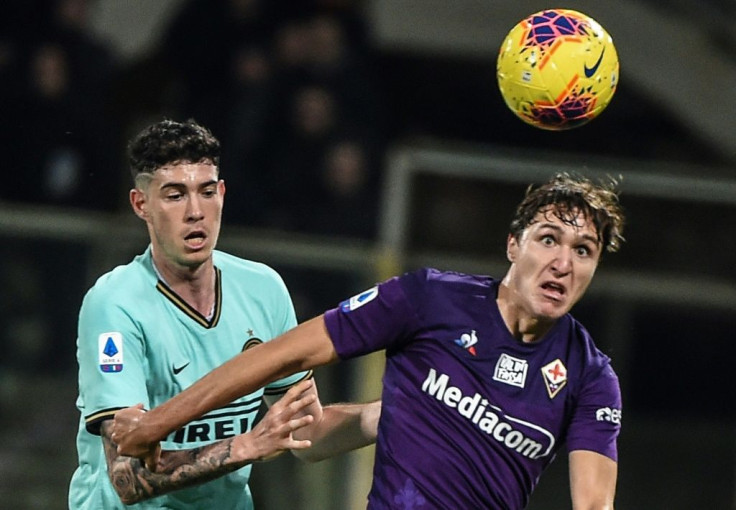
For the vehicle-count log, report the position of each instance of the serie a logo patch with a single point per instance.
(111, 352)
(359, 300)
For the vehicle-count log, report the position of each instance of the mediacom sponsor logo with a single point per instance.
(511, 432)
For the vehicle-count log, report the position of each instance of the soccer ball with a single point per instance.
(557, 69)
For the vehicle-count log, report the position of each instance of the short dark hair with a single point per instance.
(566, 195)
(170, 142)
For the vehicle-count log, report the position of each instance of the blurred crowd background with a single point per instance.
(310, 98)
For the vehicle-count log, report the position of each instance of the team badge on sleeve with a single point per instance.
(555, 377)
(359, 300)
(111, 351)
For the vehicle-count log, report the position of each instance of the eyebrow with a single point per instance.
(559, 229)
(179, 185)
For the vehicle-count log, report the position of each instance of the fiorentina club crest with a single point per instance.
(555, 377)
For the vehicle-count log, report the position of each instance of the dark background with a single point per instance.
(71, 96)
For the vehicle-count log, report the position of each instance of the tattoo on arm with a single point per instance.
(176, 469)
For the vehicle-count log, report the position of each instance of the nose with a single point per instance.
(194, 208)
(562, 264)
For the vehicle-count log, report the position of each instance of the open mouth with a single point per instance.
(195, 238)
(553, 289)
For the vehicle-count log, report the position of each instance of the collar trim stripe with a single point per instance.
(185, 307)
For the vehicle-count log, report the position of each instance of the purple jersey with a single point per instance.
(471, 416)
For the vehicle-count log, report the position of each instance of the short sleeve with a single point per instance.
(111, 360)
(596, 421)
(381, 317)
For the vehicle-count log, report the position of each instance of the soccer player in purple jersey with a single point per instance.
(485, 379)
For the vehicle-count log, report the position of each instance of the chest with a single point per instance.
(181, 347)
(474, 377)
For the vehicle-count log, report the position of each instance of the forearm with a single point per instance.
(241, 375)
(214, 390)
(342, 427)
(592, 480)
(176, 469)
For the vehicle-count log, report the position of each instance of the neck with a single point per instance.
(521, 324)
(195, 285)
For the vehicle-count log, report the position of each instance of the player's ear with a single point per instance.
(512, 248)
(139, 203)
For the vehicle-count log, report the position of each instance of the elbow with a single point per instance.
(128, 497)
(602, 503)
(601, 506)
(128, 501)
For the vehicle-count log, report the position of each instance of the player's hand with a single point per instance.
(274, 433)
(124, 430)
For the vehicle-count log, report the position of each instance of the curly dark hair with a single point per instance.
(169, 142)
(565, 196)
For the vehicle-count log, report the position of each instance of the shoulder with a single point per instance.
(435, 279)
(124, 282)
(593, 361)
(247, 272)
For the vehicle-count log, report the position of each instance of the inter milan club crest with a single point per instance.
(252, 340)
(555, 377)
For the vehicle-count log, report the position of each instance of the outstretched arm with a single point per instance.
(302, 348)
(336, 428)
(174, 470)
(592, 480)
(344, 427)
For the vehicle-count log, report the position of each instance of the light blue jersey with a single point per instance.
(140, 342)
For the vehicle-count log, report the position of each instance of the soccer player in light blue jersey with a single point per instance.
(486, 379)
(151, 328)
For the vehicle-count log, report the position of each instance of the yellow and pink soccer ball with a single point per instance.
(557, 69)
